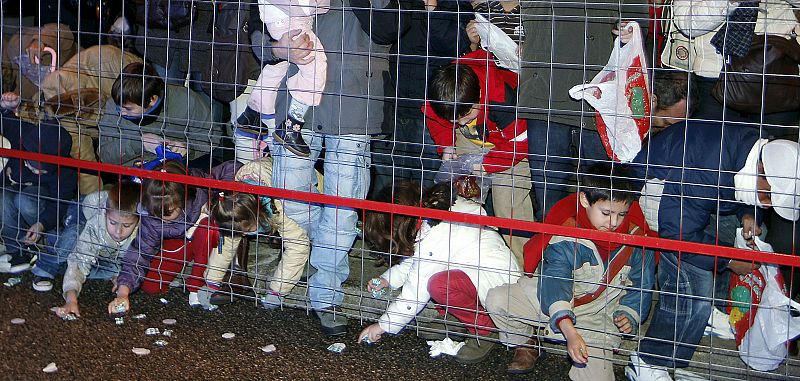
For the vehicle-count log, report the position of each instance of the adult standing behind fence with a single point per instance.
(702, 179)
(567, 44)
(356, 35)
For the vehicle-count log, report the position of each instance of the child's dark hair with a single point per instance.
(395, 234)
(603, 182)
(160, 198)
(453, 90)
(123, 197)
(137, 84)
(239, 212)
(673, 86)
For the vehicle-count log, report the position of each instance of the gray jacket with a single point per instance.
(358, 67)
(185, 117)
(93, 243)
(570, 44)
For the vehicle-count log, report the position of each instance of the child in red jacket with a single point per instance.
(472, 109)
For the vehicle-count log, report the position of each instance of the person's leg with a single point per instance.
(514, 309)
(414, 152)
(28, 205)
(51, 261)
(454, 290)
(165, 266)
(550, 160)
(307, 84)
(680, 315)
(296, 249)
(347, 164)
(599, 367)
(204, 240)
(296, 173)
(9, 228)
(511, 196)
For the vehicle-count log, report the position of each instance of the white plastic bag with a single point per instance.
(494, 40)
(764, 345)
(621, 95)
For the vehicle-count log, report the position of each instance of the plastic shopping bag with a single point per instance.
(745, 291)
(494, 40)
(764, 345)
(620, 94)
(461, 172)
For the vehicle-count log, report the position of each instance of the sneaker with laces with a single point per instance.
(289, 134)
(638, 370)
(42, 284)
(271, 300)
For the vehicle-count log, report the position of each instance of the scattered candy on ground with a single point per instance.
(161, 343)
(50, 368)
(119, 320)
(228, 335)
(119, 308)
(139, 316)
(337, 347)
(152, 331)
(11, 282)
(167, 333)
(163, 301)
(269, 348)
(17, 321)
(141, 351)
(169, 321)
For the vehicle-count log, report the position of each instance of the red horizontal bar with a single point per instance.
(514, 225)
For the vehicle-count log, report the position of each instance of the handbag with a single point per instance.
(678, 51)
(766, 79)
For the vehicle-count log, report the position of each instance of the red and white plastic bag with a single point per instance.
(620, 94)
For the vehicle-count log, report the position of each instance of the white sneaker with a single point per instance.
(5, 258)
(638, 370)
(719, 325)
(194, 300)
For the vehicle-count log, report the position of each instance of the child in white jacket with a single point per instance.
(454, 264)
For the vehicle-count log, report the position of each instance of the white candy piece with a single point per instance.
(169, 321)
(141, 351)
(269, 348)
(163, 301)
(50, 368)
(17, 321)
(228, 335)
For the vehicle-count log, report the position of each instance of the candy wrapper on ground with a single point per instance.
(337, 347)
(446, 346)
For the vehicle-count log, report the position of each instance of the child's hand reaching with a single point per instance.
(576, 347)
(373, 333)
(120, 304)
(383, 284)
(623, 324)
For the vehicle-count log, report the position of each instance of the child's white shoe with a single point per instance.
(638, 370)
(194, 300)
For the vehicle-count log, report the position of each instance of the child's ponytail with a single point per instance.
(238, 212)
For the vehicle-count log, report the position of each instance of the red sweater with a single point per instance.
(498, 113)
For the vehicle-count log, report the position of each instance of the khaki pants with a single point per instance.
(516, 312)
(511, 194)
(83, 149)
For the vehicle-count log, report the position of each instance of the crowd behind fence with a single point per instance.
(540, 173)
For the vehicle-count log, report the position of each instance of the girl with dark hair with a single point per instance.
(454, 264)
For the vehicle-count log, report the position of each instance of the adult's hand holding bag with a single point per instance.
(620, 94)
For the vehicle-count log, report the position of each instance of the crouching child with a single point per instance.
(111, 223)
(585, 292)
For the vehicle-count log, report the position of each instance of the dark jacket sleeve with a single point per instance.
(380, 19)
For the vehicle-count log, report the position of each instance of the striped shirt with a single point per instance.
(509, 22)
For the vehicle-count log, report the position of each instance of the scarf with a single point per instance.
(569, 208)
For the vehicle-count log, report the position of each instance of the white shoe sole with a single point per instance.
(40, 288)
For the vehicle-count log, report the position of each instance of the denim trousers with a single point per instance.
(555, 152)
(681, 313)
(60, 244)
(22, 206)
(332, 229)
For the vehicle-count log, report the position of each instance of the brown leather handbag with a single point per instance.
(766, 79)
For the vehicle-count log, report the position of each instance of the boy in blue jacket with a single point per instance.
(35, 195)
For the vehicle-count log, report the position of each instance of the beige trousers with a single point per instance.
(511, 194)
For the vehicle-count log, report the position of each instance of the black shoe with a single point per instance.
(289, 134)
(250, 119)
(19, 262)
(332, 321)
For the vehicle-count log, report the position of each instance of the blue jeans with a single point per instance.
(332, 229)
(555, 151)
(21, 209)
(681, 313)
(408, 154)
(60, 244)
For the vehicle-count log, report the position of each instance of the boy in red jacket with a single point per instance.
(472, 109)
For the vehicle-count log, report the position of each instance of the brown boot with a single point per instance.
(525, 357)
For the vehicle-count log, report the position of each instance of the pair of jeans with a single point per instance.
(332, 229)
(22, 206)
(681, 313)
(408, 154)
(555, 151)
(60, 243)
